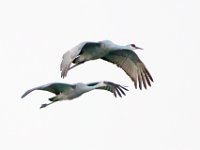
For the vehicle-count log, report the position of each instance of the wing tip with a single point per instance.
(116, 89)
(25, 94)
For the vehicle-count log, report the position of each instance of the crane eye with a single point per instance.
(133, 45)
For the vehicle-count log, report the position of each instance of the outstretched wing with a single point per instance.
(116, 89)
(132, 65)
(73, 54)
(55, 88)
(68, 57)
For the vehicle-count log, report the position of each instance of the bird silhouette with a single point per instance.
(123, 56)
(65, 91)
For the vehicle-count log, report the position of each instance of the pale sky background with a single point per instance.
(35, 34)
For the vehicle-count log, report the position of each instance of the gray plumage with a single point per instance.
(70, 91)
(123, 56)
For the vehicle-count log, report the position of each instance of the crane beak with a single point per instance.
(139, 48)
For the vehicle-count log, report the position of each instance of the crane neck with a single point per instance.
(109, 45)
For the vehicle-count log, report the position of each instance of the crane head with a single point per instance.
(135, 47)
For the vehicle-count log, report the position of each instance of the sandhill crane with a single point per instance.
(70, 91)
(123, 56)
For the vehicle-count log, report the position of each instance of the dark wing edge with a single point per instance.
(89, 45)
(27, 92)
(55, 88)
(132, 65)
